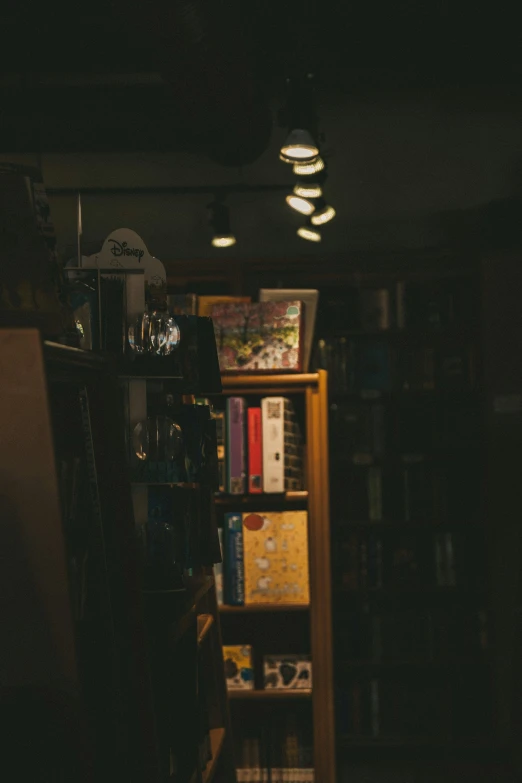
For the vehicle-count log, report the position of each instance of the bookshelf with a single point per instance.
(271, 627)
(119, 677)
(409, 556)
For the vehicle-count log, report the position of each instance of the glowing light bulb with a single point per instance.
(306, 169)
(223, 240)
(300, 204)
(314, 190)
(299, 147)
(323, 215)
(308, 233)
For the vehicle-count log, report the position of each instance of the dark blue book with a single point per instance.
(234, 569)
(373, 366)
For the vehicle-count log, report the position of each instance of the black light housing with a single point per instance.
(220, 220)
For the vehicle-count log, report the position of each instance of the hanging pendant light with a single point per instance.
(309, 233)
(299, 147)
(220, 219)
(300, 204)
(309, 168)
(323, 213)
(308, 190)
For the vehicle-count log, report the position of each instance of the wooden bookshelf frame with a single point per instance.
(314, 388)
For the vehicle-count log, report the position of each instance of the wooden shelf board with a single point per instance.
(271, 694)
(205, 623)
(275, 381)
(217, 738)
(456, 592)
(269, 497)
(348, 664)
(420, 526)
(355, 741)
(179, 484)
(253, 608)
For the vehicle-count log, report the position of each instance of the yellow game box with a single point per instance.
(239, 670)
(275, 548)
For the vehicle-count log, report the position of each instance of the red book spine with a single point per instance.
(255, 452)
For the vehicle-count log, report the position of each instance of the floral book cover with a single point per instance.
(261, 337)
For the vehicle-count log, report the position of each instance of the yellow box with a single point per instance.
(276, 557)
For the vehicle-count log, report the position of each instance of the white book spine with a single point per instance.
(273, 420)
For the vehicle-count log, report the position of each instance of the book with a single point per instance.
(310, 298)
(239, 669)
(374, 309)
(282, 446)
(261, 337)
(234, 572)
(206, 303)
(255, 451)
(287, 671)
(218, 572)
(372, 365)
(235, 445)
(276, 557)
(220, 418)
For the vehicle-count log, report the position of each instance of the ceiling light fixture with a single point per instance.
(220, 219)
(309, 233)
(299, 147)
(302, 205)
(323, 213)
(305, 190)
(307, 169)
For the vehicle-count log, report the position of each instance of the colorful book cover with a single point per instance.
(239, 670)
(255, 451)
(234, 572)
(276, 557)
(235, 445)
(261, 337)
(206, 303)
(310, 299)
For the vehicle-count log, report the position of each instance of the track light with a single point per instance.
(323, 213)
(223, 240)
(220, 219)
(309, 233)
(309, 168)
(299, 147)
(302, 205)
(305, 190)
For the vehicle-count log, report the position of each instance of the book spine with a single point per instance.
(218, 572)
(374, 690)
(236, 467)
(234, 566)
(439, 563)
(374, 494)
(219, 418)
(255, 452)
(273, 435)
(450, 560)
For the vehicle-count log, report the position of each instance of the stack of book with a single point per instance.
(408, 637)
(265, 558)
(280, 751)
(260, 449)
(368, 561)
